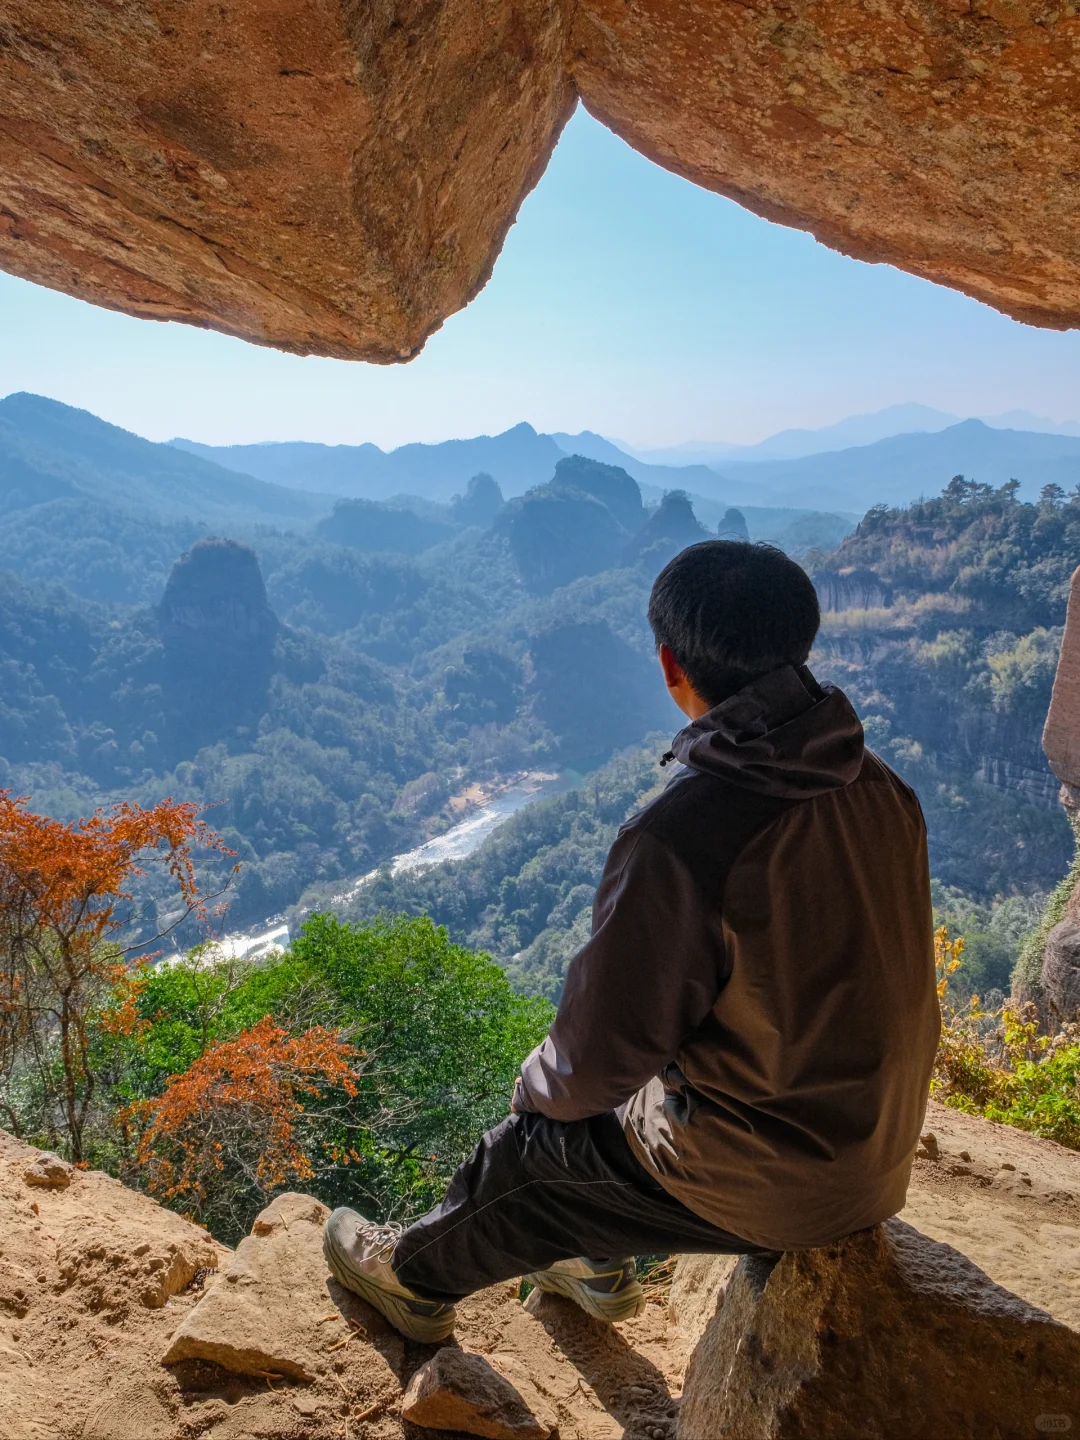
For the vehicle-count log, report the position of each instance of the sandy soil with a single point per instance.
(94, 1279)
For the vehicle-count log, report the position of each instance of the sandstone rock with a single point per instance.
(80, 1352)
(48, 1171)
(930, 137)
(338, 178)
(459, 1391)
(697, 1289)
(1061, 733)
(886, 1334)
(324, 177)
(275, 1311)
(113, 1268)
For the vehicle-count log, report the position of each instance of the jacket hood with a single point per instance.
(783, 735)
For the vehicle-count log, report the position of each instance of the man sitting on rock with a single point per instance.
(741, 1057)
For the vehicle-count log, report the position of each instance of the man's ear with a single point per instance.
(674, 674)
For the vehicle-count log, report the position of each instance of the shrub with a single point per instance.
(237, 1125)
(995, 1063)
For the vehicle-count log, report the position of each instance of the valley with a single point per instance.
(329, 649)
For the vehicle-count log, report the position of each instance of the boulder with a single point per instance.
(275, 1311)
(697, 1290)
(459, 1391)
(48, 1171)
(939, 137)
(339, 178)
(884, 1336)
(324, 177)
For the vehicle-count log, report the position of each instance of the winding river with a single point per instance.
(454, 844)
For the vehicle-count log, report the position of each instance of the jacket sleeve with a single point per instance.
(648, 976)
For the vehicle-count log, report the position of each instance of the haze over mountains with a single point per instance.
(891, 457)
(854, 430)
(53, 451)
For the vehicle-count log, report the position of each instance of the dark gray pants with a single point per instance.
(537, 1190)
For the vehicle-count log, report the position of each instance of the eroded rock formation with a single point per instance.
(327, 177)
(1054, 981)
(939, 136)
(1061, 734)
(884, 1334)
(337, 178)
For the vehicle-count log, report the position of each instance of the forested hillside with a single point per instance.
(944, 622)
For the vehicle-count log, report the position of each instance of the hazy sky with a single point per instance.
(626, 301)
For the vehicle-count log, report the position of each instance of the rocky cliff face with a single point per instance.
(338, 178)
(853, 588)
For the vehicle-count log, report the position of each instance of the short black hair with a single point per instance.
(730, 611)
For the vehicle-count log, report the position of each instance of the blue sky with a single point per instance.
(625, 301)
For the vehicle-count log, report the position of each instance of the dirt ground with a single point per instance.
(94, 1280)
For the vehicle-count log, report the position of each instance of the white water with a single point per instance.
(461, 840)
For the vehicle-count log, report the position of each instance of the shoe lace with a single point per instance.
(382, 1238)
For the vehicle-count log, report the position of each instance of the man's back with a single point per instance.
(763, 934)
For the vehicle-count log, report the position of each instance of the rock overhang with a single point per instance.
(336, 178)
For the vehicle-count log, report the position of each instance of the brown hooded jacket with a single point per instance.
(759, 990)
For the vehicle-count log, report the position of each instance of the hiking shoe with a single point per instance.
(360, 1256)
(607, 1289)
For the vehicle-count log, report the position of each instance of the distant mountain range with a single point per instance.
(900, 469)
(855, 430)
(50, 451)
(519, 458)
(850, 466)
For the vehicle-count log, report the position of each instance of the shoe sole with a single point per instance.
(623, 1305)
(428, 1331)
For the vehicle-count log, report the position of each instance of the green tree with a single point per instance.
(436, 1029)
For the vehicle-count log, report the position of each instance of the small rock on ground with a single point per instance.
(459, 1391)
(48, 1171)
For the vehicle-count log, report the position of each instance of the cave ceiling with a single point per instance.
(334, 177)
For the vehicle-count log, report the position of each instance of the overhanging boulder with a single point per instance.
(335, 177)
(329, 178)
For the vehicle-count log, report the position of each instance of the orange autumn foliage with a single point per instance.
(62, 887)
(70, 877)
(238, 1109)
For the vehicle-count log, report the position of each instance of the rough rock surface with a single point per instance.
(83, 1327)
(1009, 1201)
(887, 1333)
(91, 1277)
(322, 176)
(335, 177)
(270, 1313)
(937, 136)
(97, 1280)
(48, 1171)
(1061, 733)
(1061, 969)
(457, 1390)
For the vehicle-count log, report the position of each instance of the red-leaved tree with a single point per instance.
(237, 1122)
(65, 897)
